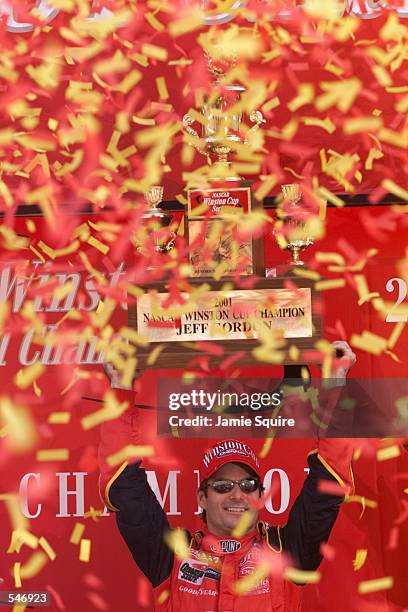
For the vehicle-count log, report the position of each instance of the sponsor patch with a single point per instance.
(226, 546)
(194, 572)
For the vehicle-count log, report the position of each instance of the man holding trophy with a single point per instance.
(236, 562)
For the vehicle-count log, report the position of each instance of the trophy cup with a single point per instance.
(221, 125)
(156, 220)
(297, 239)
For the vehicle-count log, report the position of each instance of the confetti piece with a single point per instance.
(34, 565)
(162, 88)
(341, 94)
(155, 52)
(103, 248)
(77, 533)
(20, 537)
(129, 452)
(366, 503)
(389, 452)
(177, 541)
(85, 550)
(335, 283)
(26, 376)
(244, 523)
(373, 586)
(326, 124)
(53, 454)
(18, 520)
(360, 559)
(17, 574)
(59, 418)
(361, 124)
(397, 190)
(112, 409)
(164, 595)
(19, 424)
(47, 548)
(365, 342)
(395, 334)
(301, 576)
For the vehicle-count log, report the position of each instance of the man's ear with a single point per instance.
(202, 499)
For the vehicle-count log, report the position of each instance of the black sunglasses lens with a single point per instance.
(249, 485)
(223, 486)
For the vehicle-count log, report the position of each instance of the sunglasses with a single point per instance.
(247, 485)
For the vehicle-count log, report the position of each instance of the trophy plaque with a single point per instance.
(282, 313)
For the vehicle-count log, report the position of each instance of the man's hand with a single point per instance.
(114, 377)
(344, 359)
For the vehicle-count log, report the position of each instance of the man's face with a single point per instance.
(224, 510)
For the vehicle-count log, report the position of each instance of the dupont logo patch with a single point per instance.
(226, 546)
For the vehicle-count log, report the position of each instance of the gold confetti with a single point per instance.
(338, 93)
(77, 532)
(103, 248)
(112, 409)
(164, 595)
(155, 52)
(18, 520)
(26, 376)
(19, 424)
(34, 565)
(301, 576)
(361, 124)
(47, 548)
(244, 522)
(154, 22)
(59, 418)
(335, 283)
(397, 190)
(360, 559)
(17, 574)
(176, 540)
(395, 334)
(53, 454)
(372, 586)
(271, 104)
(162, 88)
(389, 452)
(369, 342)
(19, 537)
(326, 124)
(85, 550)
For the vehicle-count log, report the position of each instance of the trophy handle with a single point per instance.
(170, 244)
(257, 118)
(187, 122)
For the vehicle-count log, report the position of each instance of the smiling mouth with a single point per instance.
(235, 510)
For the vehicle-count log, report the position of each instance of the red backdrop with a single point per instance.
(109, 581)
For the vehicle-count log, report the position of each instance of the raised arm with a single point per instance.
(315, 510)
(330, 478)
(124, 489)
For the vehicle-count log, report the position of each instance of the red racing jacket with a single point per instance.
(208, 578)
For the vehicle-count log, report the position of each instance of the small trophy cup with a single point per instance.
(297, 240)
(156, 220)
